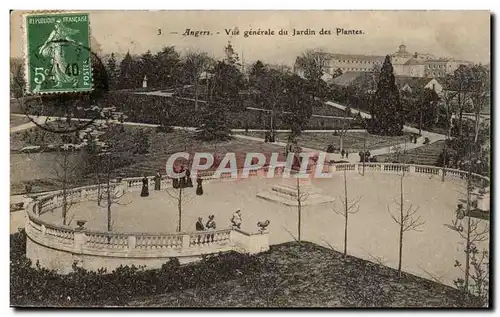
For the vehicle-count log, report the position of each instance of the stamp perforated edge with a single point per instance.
(25, 53)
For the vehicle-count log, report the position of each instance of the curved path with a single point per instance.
(373, 235)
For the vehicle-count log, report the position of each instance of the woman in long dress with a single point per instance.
(157, 180)
(145, 187)
(199, 186)
(54, 48)
(189, 181)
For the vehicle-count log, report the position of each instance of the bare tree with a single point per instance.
(65, 170)
(313, 63)
(346, 125)
(476, 231)
(348, 207)
(112, 193)
(408, 219)
(181, 197)
(302, 195)
(447, 98)
(195, 64)
(479, 94)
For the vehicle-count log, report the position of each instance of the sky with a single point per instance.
(463, 35)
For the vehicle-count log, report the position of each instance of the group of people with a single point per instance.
(145, 184)
(209, 225)
(181, 182)
(236, 221)
(344, 153)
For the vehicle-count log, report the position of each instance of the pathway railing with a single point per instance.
(151, 245)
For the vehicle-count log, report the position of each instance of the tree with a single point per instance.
(347, 209)
(128, 76)
(223, 97)
(408, 219)
(214, 126)
(17, 79)
(460, 83)
(302, 195)
(447, 97)
(181, 197)
(148, 68)
(476, 231)
(479, 94)
(111, 159)
(272, 88)
(346, 124)
(66, 170)
(167, 63)
(387, 112)
(257, 70)
(313, 64)
(194, 65)
(298, 104)
(112, 71)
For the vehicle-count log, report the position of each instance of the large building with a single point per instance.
(403, 62)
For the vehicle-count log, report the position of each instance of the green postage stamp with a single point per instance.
(57, 53)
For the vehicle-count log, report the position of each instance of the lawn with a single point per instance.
(425, 155)
(353, 141)
(18, 120)
(307, 275)
(38, 168)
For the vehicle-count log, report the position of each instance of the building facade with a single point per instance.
(403, 63)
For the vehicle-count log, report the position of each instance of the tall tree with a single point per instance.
(167, 67)
(407, 219)
(148, 68)
(112, 71)
(476, 232)
(195, 63)
(479, 94)
(298, 104)
(128, 77)
(387, 111)
(302, 196)
(66, 170)
(461, 84)
(313, 64)
(348, 207)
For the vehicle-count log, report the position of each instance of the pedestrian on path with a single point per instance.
(236, 220)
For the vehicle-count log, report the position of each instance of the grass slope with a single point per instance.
(308, 275)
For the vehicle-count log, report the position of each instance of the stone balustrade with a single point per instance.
(58, 247)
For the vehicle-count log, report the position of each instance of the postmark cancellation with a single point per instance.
(57, 52)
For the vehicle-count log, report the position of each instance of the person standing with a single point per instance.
(189, 181)
(199, 186)
(211, 222)
(211, 226)
(145, 187)
(199, 224)
(236, 220)
(157, 180)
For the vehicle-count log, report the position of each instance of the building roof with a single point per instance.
(414, 61)
(346, 78)
(412, 82)
(356, 57)
(441, 60)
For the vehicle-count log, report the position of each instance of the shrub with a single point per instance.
(42, 287)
